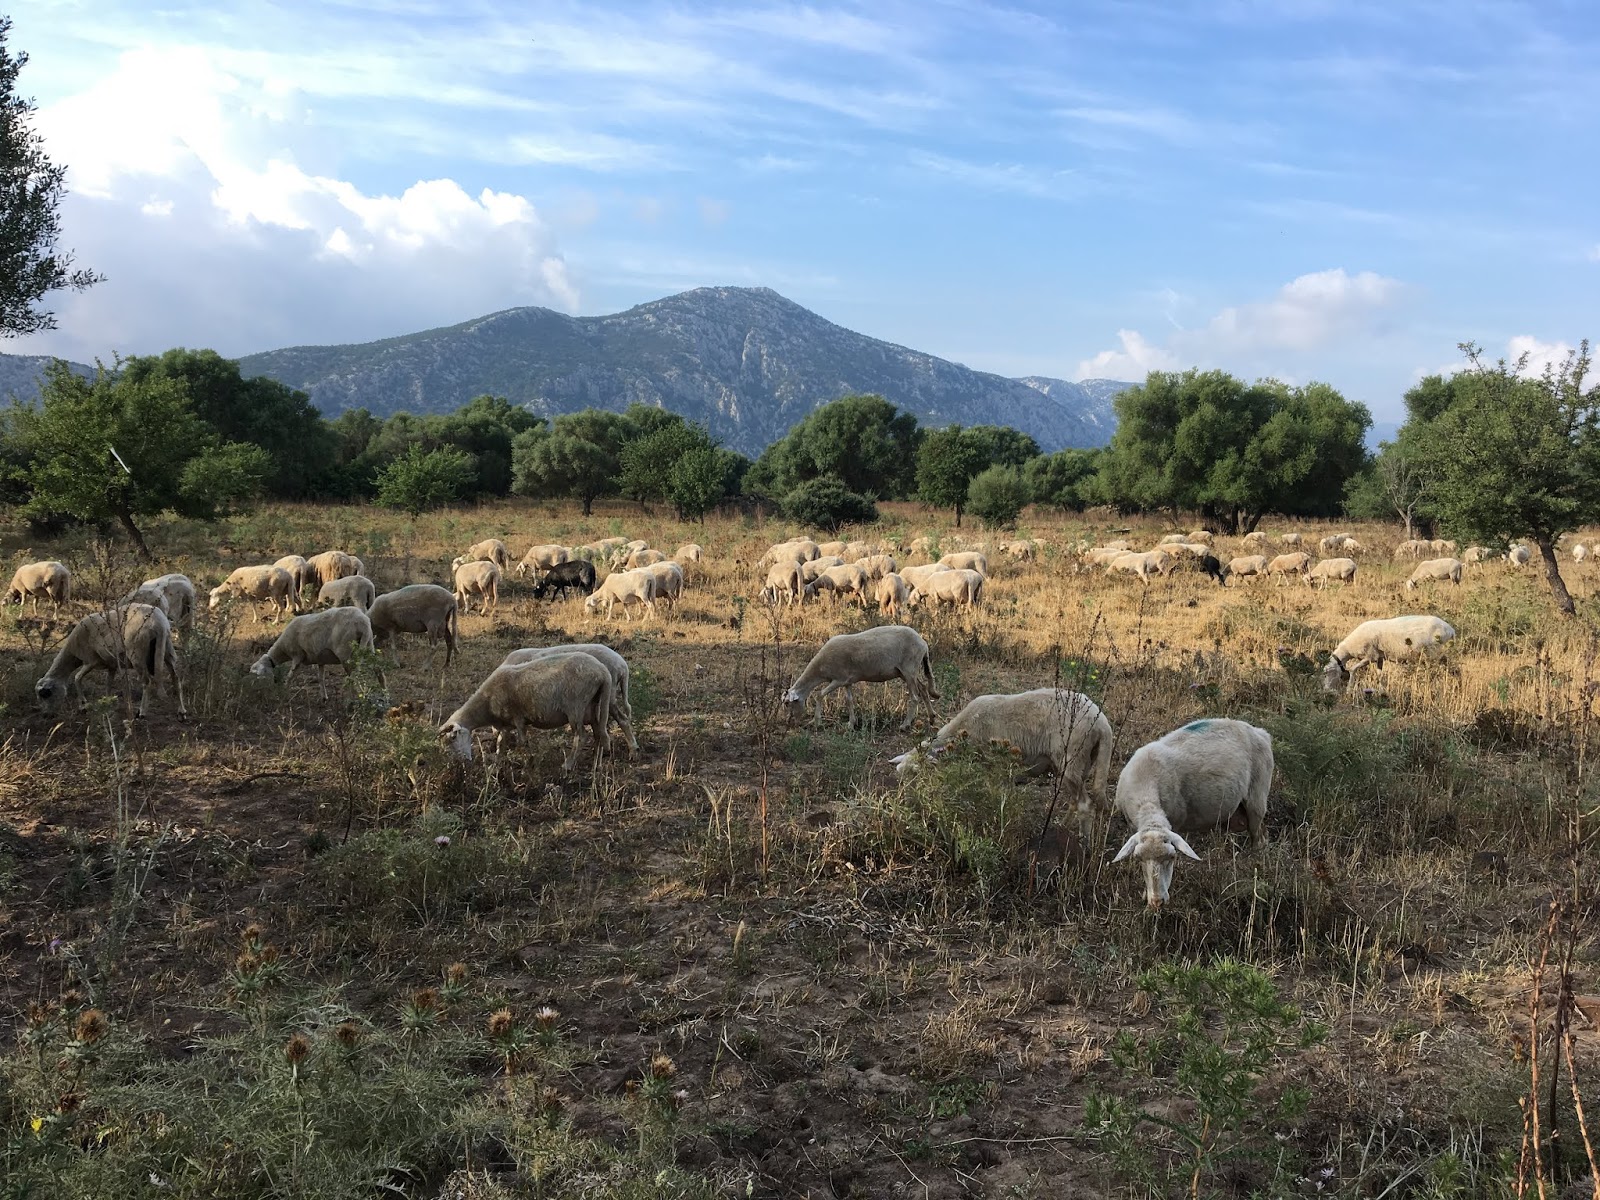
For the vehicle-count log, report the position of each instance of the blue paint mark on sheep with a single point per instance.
(1197, 726)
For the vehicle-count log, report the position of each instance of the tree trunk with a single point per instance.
(1552, 575)
(588, 506)
(958, 516)
(133, 533)
(1411, 532)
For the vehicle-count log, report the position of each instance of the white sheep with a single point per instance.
(356, 591)
(1476, 554)
(173, 594)
(967, 560)
(621, 706)
(810, 570)
(1290, 539)
(1297, 563)
(689, 552)
(625, 588)
(1196, 778)
(417, 608)
(877, 566)
(490, 550)
(1390, 639)
(1519, 556)
(299, 570)
(1443, 547)
(831, 550)
(669, 581)
(856, 551)
(272, 584)
(1172, 539)
(1580, 552)
(845, 579)
(1412, 548)
(1055, 731)
(136, 636)
(877, 655)
(480, 579)
(915, 575)
(959, 588)
(1329, 569)
(1332, 542)
(784, 582)
(1153, 562)
(542, 558)
(1202, 536)
(890, 594)
(1022, 550)
(1247, 565)
(1255, 537)
(51, 580)
(643, 558)
(1435, 570)
(571, 690)
(330, 565)
(320, 640)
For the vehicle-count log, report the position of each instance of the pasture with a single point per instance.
(292, 948)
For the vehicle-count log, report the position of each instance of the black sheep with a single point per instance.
(574, 574)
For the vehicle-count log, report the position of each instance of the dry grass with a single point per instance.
(864, 990)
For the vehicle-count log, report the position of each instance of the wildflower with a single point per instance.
(456, 974)
(348, 1034)
(442, 841)
(426, 1000)
(55, 945)
(92, 1026)
(252, 933)
(662, 1067)
(38, 1015)
(546, 1017)
(297, 1049)
(500, 1023)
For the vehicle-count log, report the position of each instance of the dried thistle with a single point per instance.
(546, 1017)
(252, 934)
(38, 1015)
(69, 1103)
(297, 1049)
(92, 1026)
(662, 1067)
(456, 974)
(71, 999)
(426, 1000)
(348, 1034)
(501, 1023)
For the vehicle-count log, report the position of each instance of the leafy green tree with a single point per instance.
(578, 457)
(1003, 446)
(826, 503)
(1512, 456)
(677, 462)
(698, 482)
(1064, 479)
(30, 202)
(1394, 484)
(421, 480)
(123, 449)
(946, 462)
(486, 428)
(997, 495)
(864, 441)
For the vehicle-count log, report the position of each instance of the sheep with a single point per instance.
(1247, 565)
(1351, 547)
(876, 655)
(1519, 556)
(490, 550)
(565, 689)
(1332, 542)
(321, 640)
(1153, 562)
(855, 551)
(669, 581)
(1435, 569)
(1255, 537)
(299, 570)
(1209, 564)
(477, 579)
(330, 565)
(915, 575)
(542, 558)
(959, 589)
(1020, 551)
(355, 591)
(921, 545)
(48, 579)
(1443, 547)
(1104, 556)
(173, 594)
(1411, 548)
(801, 549)
(784, 582)
(846, 579)
(643, 558)
(131, 635)
(625, 588)
(967, 560)
(621, 707)
(1400, 639)
(831, 550)
(1194, 549)
(417, 608)
(1329, 569)
(890, 593)
(877, 566)
(1297, 563)
(1290, 539)
(635, 545)
(564, 576)
(689, 552)
(272, 584)
(1476, 554)
(611, 543)
(810, 570)
(1055, 731)
(1172, 539)
(1199, 777)
(1580, 552)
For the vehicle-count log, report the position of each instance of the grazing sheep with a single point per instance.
(1476, 554)
(1329, 569)
(1334, 541)
(915, 575)
(800, 549)
(1104, 556)
(1152, 562)
(1209, 564)
(810, 570)
(922, 545)
(477, 579)
(1203, 536)
(563, 577)
(669, 581)
(1397, 639)
(877, 566)
(1297, 563)
(1580, 552)
(417, 608)
(330, 565)
(51, 580)
(877, 655)
(890, 593)
(1195, 778)
(643, 558)
(1412, 548)
(173, 594)
(299, 570)
(1443, 547)
(784, 582)
(272, 584)
(635, 544)
(1020, 551)
(1519, 556)
(320, 640)
(960, 588)
(1352, 547)
(831, 550)
(1193, 549)
(566, 689)
(856, 551)
(846, 580)
(1054, 730)
(1247, 565)
(1172, 539)
(136, 636)
(621, 706)
(625, 588)
(611, 543)
(490, 550)
(542, 558)
(353, 591)
(1255, 537)
(689, 552)
(1435, 570)
(1290, 539)
(967, 560)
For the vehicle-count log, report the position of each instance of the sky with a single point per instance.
(1334, 190)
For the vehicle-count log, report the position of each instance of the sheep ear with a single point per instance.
(1182, 847)
(1127, 848)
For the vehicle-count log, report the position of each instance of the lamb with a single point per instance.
(967, 560)
(272, 584)
(565, 576)
(915, 575)
(355, 591)
(321, 640)
(490, 550)
(1297, 563)
(890, 592)
(1435, 569)
(1400, 639)
(877, 566)
(173, 594)
(1329, 569)
(959, 589)
(876, 655)
(542, 558)
(625, 588)
(1247, 565)
(299, 570)
(669, 581)
(1199, 777)
(1519, 556)
(330, 565)
(1153, 562)
(418, 608)
(51, 580)
(644, 558)
(783, 582)
(846, 579)
(132, 635)
(565, 689)
(1054, 730)
(477, 579)
(621, 708)
(689, 552)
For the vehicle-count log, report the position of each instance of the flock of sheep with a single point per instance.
(1209, 774)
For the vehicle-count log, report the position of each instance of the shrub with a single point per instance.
(826, 503)
(997, 495)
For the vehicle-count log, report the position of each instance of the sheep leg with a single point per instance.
(577, 742)
(850, 701)
(911, 704)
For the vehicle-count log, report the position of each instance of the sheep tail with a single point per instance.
(153, 656)
(927, 674)
(1102, 769)
(455, 632)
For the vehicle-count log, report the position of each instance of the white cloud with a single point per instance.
(1541, 355)
(1136, 358)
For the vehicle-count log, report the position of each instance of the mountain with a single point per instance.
(745, 362)
(21, 375)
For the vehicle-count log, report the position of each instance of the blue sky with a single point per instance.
(1308, 189)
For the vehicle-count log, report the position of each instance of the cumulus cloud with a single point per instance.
(207, 239)
(1541, 355)
(1308, 313)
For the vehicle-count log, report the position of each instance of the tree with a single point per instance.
(864, 441)
(578, 457)
(1063, 479)
(676, 462)
(826, 503)
(486, 428)
(946, 462)
(997, 495)
(1395, 484)
(30, 224)
(698, 482)
(120, 448)
(1515, 456)
(421, 480)
(1003, 446)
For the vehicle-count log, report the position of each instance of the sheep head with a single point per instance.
(1157, 850)
(458, 738)
(217, 595)
(49, 691)
(1334, 676)
(262, 667)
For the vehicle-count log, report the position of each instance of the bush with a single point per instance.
(996, 496)
(825, 503)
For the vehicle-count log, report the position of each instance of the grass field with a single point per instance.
(289, 948)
